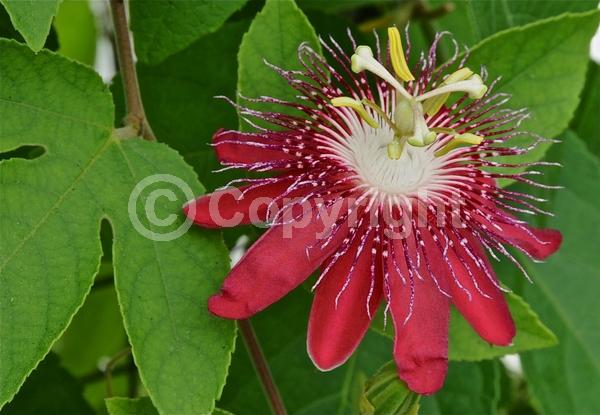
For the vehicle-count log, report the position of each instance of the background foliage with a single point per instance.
(94, 318)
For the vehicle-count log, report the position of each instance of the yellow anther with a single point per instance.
(432, 105)
(430, 137)
(397, 55)
(356, 106)
(480, 91)
(457, 141)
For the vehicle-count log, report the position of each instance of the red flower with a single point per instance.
(385, 183)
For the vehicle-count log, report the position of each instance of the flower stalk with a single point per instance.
(262, 367)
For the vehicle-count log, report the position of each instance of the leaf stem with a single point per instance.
(136, 116)
(262, 367)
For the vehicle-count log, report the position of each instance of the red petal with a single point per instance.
(246, 148)
(335, 332)
(490, 317)
(228, 208)
(275, 265)
(420, 345)
(539, 243)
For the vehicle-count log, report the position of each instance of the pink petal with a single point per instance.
(228, 208)
(490, 317)
(246, 148)
(421, 342)
(335, 332)
(275, 265)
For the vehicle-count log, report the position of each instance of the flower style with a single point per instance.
(388, 183)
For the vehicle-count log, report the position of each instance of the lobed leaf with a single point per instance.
(50, 252)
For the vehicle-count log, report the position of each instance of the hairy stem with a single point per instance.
(136, 115)
(262, 367)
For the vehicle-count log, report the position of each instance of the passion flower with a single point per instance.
(388, 182)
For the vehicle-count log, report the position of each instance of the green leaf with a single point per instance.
(50, 247)
(162, 28)
(386, 394)
(126, 406)
(543, 67)
(179, 98)
(565, 379)
(49, 390)
(274, 36)
(32, 19)
(75, 26)
(95, 333)
(587, 122)
(470, 388)
(281, 329)
(471, 21)
(465, 344)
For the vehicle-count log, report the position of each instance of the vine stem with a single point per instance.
(136, 116)
(262, 367)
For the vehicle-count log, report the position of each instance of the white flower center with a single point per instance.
(367, 155)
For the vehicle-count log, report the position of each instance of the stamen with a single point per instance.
(357, 106)
(474, 86)
(397, 55)
(431, 106)
(363, 60)
(457, 141)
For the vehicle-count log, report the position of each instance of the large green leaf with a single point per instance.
(470, 388)
(587, 121)
(385, 394)
(274, 36)
(32, 18)
(179, 97)
(282, 332)
(543, 67)
(52, 208)
(162, 28)
(465, 344)
(566, 378)
(125, 406)
(472, 20)
(49, 390)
